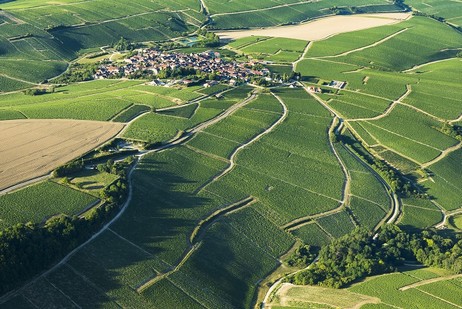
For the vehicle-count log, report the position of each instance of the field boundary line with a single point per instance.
(64, 294)
(232, 159)
(364, 47)
(439, 298)
(428, 281)
(261, 9)
(405, 137)
(195, 241)
(180, 140)
(443, 155)
(302, 56)
(389, 109)
(130, 242)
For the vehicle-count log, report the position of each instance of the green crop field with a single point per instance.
(41, 201)
(233, 181)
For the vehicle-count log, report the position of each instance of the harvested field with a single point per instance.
(31, 148)
(322, 28)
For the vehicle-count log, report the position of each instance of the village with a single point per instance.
(183, 66)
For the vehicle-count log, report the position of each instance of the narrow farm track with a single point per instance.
(428, 281)
(195, 240)
(24, 184)
(178, 141)
(446, 216)
(443, 155)
(232, 159)
(364, 47)
(394, 199)
(389, 109)
(302, 57)
(260, 10)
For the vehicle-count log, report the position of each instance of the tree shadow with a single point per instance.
(149, 237)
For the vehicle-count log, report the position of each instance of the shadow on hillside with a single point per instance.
(150, 236)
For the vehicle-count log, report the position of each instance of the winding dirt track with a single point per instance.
(32, 148)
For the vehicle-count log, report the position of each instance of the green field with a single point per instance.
(211, 220)
(41, 201)
(380, 292)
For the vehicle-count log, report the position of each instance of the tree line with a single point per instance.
(361, 254)
(27, 249)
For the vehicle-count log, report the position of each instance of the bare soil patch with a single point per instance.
(32, 148)
(321, 28)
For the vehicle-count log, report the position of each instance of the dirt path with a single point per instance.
(232, 159)
(389, 109)
(364, 47)
(425, 64)
(428, 281)
(180, 140)
(260, 10)
(195, 240)
(302, 57)
(443, 155)
(447, 215)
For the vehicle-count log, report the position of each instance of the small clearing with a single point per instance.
(32, 148)
(321, 28)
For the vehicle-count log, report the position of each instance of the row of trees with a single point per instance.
(27, 249)
(360, 254)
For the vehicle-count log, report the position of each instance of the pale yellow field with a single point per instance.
(32, 148)
(307, 296)
(322, 28)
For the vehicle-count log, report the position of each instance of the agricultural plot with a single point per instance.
(420, 213)
(163, 126)
(419, 139)
(32, 148)
(381, 292)
(355, 105)
(337, 224)
(33, 32)
(131, 113)
(279, 50)
(446, 179)
(264, 14)
(6, 114)
(352, 40)
(312, 234)
(449, 10)
(438, 91)
(416, 45)
(41, 201)
(386, 288)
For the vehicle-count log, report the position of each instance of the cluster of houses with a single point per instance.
(208, 62)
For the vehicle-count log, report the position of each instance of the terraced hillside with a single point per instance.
(39, 38)
(224, 187)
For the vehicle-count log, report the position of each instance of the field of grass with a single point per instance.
(40, 201)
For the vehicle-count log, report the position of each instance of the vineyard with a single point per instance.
(224, 185)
